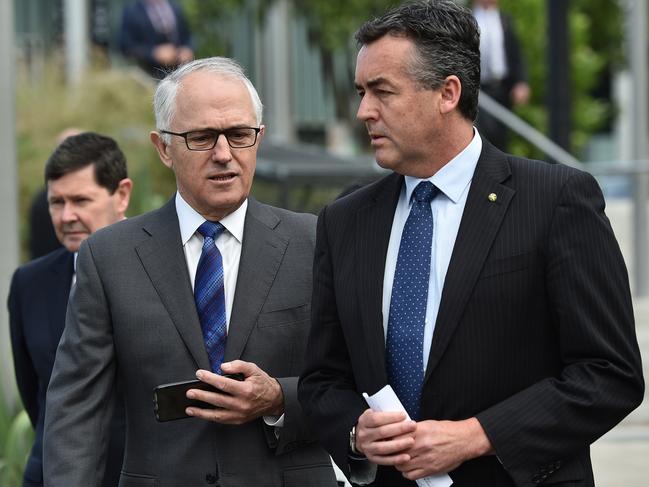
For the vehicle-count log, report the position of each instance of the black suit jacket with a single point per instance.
(535, 333)
(37, 305)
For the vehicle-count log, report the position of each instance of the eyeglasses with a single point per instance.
(206, 139)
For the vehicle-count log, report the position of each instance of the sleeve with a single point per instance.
(80, 398)
(327, 389)
(515, 61)
(131, 41)
(601, 377)
(26, 376)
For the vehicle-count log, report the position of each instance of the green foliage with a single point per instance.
(595, 30)
(107, 101)
(16, 439)
(207, 21)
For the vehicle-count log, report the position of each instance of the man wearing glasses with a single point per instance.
(213, 283)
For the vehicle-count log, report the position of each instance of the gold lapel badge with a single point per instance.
(492, 197)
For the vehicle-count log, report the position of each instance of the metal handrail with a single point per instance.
(525, 130)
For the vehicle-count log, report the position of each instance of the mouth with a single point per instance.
(377, 138)
(222, 178)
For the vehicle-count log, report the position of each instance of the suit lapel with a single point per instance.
(164, 261)
(262, 252)
(374, 223)
(478, 228)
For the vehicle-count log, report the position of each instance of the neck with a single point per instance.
(454, 141)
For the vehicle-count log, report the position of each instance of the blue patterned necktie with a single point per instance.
(405, 338)
(209, 295)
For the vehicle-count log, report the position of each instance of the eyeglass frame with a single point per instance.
(216, 139)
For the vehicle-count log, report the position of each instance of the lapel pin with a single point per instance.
(492, 197)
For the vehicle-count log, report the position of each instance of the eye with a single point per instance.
(238, 134)
(201, 137)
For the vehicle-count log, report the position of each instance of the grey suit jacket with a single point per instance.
(132, 316)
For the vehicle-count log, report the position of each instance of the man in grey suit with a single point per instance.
(149, 310)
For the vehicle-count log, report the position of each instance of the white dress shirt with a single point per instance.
(493, 60)
(453, 181)
(228, 243)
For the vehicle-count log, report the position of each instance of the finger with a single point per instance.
(388, 459)
(216, 399)
(222, 416)
(414, 474)
(239, 367)
(390, 447)
(224, 384)
(374, 419)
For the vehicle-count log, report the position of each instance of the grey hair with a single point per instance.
(164, 100)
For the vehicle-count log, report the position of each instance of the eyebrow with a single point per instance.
(373, 83)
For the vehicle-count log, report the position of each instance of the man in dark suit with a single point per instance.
(140, 313)
(87, 189)
(495, 301)
(502, 69)
(155, 34)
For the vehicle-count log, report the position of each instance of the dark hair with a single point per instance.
(82, 150)
(447, 42)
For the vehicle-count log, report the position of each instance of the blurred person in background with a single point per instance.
(156, 35)
(87, 189)
(503, 74)
(42, 237)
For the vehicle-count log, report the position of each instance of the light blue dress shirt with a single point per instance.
(453, 181)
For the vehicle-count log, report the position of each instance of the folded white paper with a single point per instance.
(387, 400)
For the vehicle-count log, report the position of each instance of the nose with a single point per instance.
(69, 213)
(366, 109)
(221, 152)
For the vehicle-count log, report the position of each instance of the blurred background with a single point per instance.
(63, 65)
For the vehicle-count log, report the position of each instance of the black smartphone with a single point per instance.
(170, 400)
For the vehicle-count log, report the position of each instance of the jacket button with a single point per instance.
(210, 479)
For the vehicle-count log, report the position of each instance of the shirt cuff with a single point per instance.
(276, 421)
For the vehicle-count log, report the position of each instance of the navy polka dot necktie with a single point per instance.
(209, 295)
(405, 337)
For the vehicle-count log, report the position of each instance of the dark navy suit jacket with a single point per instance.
(138, 37)
(37, 303)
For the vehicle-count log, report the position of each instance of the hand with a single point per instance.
(184, 55)
(520, 93)
(165, 54)
(384, 437)
(258, 395)
(442, 446)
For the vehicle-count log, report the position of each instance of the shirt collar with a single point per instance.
(189, 220)
(453, 178)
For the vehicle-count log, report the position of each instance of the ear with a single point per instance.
(123, 195)
(261, 133)
(162, 148)
(450, 92)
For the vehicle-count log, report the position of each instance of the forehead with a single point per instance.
(206, 99)
(386, 58)
(75, 182)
